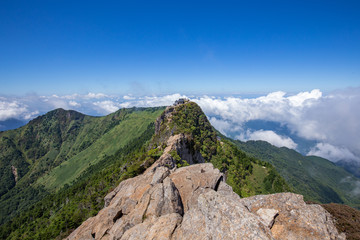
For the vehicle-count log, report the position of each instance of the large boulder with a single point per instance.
(292, 218)
(188, 179)
(218, 216)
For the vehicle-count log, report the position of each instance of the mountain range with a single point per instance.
(303, 145)
(11, 123)
(56, 170)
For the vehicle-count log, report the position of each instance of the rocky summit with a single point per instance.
(194, 202)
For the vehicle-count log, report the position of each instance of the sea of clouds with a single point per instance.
(331, 120)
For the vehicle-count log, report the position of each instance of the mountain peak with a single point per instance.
(187, 118)
(58, 114)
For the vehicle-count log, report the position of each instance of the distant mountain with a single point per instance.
(316, 178)
(352, 167)
(54, 149)
(11, 123)
(303, 145)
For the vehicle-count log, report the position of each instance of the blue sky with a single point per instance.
(295, 63)
(187, 47)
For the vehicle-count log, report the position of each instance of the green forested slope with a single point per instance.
(60, 212)
(248, 176)
(131, 126)
(316, 178)
(54, 149)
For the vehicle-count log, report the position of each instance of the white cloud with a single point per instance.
(332, 119)
(11, 109)
(224, 126)
(107, 106)
(302, 98)
(153, 101)
(74, 104)
(356, 190)
(95, 95)
(274, 106)
(333, 153)
(355, 184)
(129, 97)
(336, 118)
(269, 136)
(31, 115)
(57, 102)
(28, 107)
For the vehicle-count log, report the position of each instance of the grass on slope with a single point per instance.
(53, 149)
(129, 128)
(56, 215)
(316, 178)
(347, 219)
(238, 167)
(255, 182)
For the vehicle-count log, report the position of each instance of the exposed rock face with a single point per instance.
(194, 180)
(178, 142)
(166, 115)
(194, 202)
(14, 172)
(268, 216)
(217, 216)
(296, 219)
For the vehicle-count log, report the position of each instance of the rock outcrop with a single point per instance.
(289, 217)
(194, 202)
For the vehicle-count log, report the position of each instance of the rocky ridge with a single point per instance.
(194, 202)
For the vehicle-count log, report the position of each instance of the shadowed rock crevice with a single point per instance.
(117, 216)
(221, 179)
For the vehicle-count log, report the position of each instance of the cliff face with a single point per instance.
(194, 202)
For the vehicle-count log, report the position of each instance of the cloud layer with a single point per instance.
(275, 107)
(331, 120)
(27, 107)
(269, 136)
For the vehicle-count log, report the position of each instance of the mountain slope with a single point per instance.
(131, 126)
(62, 211)
(11, 123)
(352, 167)
(347, 219)
(168, 201)
(54, 149)
(248, 176)
(316, 178)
